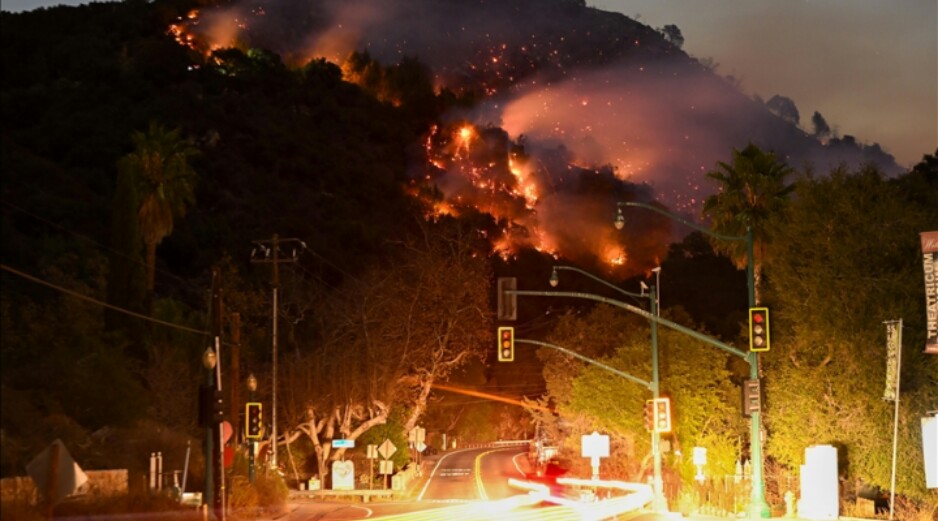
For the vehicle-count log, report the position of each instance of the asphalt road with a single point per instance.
(474, 474)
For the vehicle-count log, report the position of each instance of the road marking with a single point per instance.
(368, 512)
(518, 467)
(455, 472)
(478, 468)
(478, 471)
(432, 473)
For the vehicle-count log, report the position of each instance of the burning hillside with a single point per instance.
(578, 108)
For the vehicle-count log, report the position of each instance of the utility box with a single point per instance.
(820, 491)
(930, 450)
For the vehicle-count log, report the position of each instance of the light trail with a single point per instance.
(490, 396)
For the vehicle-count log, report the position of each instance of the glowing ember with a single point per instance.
(546, 159)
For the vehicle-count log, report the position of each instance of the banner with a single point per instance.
(930, 260)
(893, 345)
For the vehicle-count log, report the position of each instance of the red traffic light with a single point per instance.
(506, 344)
(759, 329)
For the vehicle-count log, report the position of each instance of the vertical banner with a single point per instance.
(893, 345)
(930, 260)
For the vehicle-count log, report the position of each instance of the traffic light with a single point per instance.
(252, 428)
(649, 415)
(758, 329)
(752, 397)
(663, 414)
(506, 344)
(211, 406)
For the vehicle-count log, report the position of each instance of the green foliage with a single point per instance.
(705, 403)
(393, 430)
(267, 496)
(752, 190)
(845, 259)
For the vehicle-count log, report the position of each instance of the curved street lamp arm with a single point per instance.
(601, 281)
(683, 221)
(638, 311)
(574, 354)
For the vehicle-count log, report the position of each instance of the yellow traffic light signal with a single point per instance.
(663, 414)
(254, 420)
(506, 344)
(649, 418)
(758, 329)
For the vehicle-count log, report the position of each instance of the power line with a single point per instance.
(96, 243)
(98, 302)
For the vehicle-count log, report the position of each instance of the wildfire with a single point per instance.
(536, 201)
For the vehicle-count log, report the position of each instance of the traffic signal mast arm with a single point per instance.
(638, 311)
(566, 351)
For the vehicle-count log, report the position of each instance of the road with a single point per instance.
(472, 485)
(475, 474)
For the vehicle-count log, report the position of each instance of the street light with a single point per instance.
(208, 361)
(758, 506)
(660, 503)
(252, 386)
(657, 272)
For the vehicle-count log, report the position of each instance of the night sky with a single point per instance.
(870, 67)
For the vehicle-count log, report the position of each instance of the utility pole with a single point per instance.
(216, 332)
(236, 407)
(268, 252)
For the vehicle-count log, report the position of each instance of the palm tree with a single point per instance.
(166, 184)
(752, 190)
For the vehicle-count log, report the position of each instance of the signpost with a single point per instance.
(386, 450)
(56, 474)
(343, 444)
(372, 454)
(595, 446)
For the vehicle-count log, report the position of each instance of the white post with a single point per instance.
(895, 424)
(159, 470)
(273, 408)
(221, 435)
(152, 471)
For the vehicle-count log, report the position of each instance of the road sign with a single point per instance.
(372, 451)
(421, 446)
(343, 444)
(55, 473)
(387, 467)
(387, 449)
(595, 445)
(417, 435)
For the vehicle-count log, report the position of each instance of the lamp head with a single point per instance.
(208, 358)
(554, 278)
(252, 383)
(620, 220)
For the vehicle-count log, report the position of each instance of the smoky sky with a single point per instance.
(599, 81)
(582, 90)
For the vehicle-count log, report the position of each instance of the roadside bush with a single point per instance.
(266, 497)
(911, 510)
(142, 505)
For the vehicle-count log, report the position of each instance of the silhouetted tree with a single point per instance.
(821, 129)
(673, 34)
(752, 190)
(784, 108)
(166, 183)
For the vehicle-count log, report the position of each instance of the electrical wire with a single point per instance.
(98, 302)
